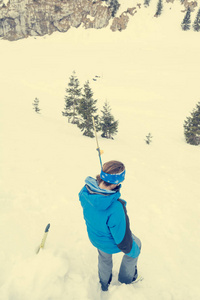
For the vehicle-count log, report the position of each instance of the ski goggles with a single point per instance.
(112, 178)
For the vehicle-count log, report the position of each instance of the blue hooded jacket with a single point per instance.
(106, 219)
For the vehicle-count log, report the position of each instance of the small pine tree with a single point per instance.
(87, 109)
(108, 124)
(159, 8)
(186, 21)
(196, 24)
(148, 139)
(192, 127)
(114, 4)
(36, 105)
(72, 99)
(146, 2)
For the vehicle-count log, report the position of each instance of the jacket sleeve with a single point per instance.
(120, 229)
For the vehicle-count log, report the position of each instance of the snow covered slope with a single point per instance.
(150, 77)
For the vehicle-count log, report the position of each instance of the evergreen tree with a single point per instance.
(192, 127)
(87, 109)
(146, 2)
(72, 99)
(149, 139)
(186, 21)
(159, 8)
(196, 24)
(113, 5)
(36, 105)
(108, 124)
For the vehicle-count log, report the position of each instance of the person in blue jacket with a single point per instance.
(108, 224)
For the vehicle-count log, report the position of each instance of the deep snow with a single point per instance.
(150, 77)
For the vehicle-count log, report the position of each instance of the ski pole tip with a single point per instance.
(47, 228)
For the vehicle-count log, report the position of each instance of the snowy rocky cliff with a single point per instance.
(23, 18)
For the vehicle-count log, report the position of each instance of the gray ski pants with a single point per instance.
(128, 268)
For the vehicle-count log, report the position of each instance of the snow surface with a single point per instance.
(150, 77)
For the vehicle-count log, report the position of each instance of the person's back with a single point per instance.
(108, 223)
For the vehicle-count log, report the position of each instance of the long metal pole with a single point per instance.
(98, 148)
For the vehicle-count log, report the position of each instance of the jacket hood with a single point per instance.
(99, 198)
